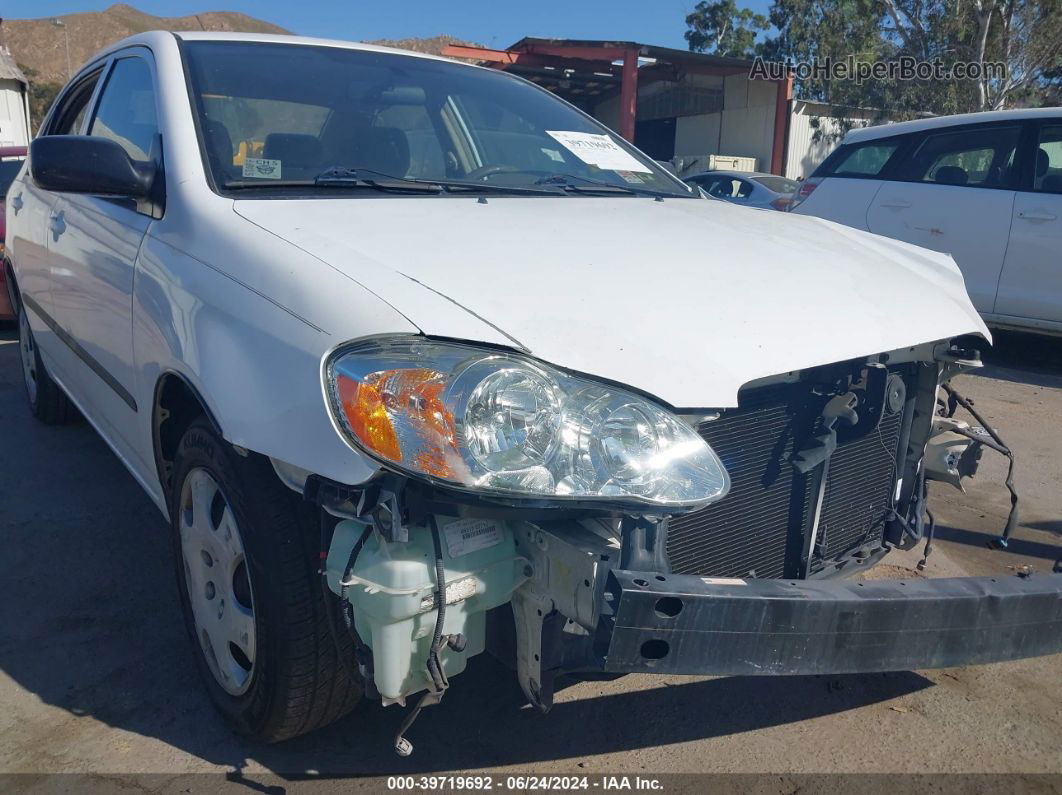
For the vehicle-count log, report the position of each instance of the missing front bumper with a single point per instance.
(685, 624)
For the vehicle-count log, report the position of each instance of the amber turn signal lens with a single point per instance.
(411, 399)
(364, 409)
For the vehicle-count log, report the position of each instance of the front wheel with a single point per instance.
(253, 602)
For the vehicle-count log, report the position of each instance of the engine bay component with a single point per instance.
(953, 452)
(392, 589)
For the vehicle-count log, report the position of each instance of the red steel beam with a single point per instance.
(781, 124)
(629, 95)
(480, 53)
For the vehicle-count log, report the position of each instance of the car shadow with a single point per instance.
(91, 626)
(1016, 546)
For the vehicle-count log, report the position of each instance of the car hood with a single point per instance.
(685, 299)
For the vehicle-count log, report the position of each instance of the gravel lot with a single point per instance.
(96, 674)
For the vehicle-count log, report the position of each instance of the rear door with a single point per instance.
(954, 192)
(1031, 284)
(30, 217)
(94, 249)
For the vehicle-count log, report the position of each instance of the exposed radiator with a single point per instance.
(759, 528)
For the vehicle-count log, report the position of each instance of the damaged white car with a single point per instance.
(417, 361)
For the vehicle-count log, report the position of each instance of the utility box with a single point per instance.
(731, 163)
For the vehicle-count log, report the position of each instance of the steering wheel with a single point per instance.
(483, 172)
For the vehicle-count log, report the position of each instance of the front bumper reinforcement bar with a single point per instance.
(686, 624)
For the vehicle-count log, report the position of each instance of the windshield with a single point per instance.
(8, 171)
(282, 115)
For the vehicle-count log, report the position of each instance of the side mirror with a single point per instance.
(88, 164)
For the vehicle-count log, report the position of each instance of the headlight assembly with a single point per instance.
(497, 422)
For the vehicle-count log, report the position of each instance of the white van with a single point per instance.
(983, 187)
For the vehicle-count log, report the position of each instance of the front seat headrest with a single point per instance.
(1043, 162)
(951, 175)
(383, 149)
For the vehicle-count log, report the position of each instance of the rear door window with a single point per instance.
(1048, 173)
(980, 157)
(69, 117)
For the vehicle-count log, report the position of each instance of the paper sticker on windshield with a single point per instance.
(631, 177)
(598, 150)
(261, 168)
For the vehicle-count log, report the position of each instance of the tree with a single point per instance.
(1024, 36)
(721, 28)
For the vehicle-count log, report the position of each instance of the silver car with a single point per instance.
(748, 188)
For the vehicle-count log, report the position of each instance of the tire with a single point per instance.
(47, 402)
(295, 673)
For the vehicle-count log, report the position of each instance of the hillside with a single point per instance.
(41, 46)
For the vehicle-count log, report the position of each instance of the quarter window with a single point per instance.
(980, 157)
(127, 108)
(1048, 174)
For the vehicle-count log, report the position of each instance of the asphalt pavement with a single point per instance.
(96, 674)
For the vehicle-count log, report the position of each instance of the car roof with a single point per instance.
(724, 172)
(935, 122)
(157, 37)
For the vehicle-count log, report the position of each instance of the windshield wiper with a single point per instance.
(588, 185)
(343, 178)
(367, 176)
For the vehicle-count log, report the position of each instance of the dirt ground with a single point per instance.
(96, 675)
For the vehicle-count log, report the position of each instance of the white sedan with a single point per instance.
(417, 361)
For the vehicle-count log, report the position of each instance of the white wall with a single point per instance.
(698, 135)
(744, 128)
(14, 129)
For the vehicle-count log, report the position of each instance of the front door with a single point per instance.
(955, 194)
(1031, 284)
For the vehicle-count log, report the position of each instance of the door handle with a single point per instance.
(897, 204)
(1036, 215)
(16, 203)
(57, 224)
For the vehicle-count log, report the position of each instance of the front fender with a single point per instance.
(255, 363)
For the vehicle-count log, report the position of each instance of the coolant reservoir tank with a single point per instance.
(392, 590)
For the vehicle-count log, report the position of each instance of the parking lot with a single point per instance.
(97, 676)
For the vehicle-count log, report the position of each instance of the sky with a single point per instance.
(495, 23)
